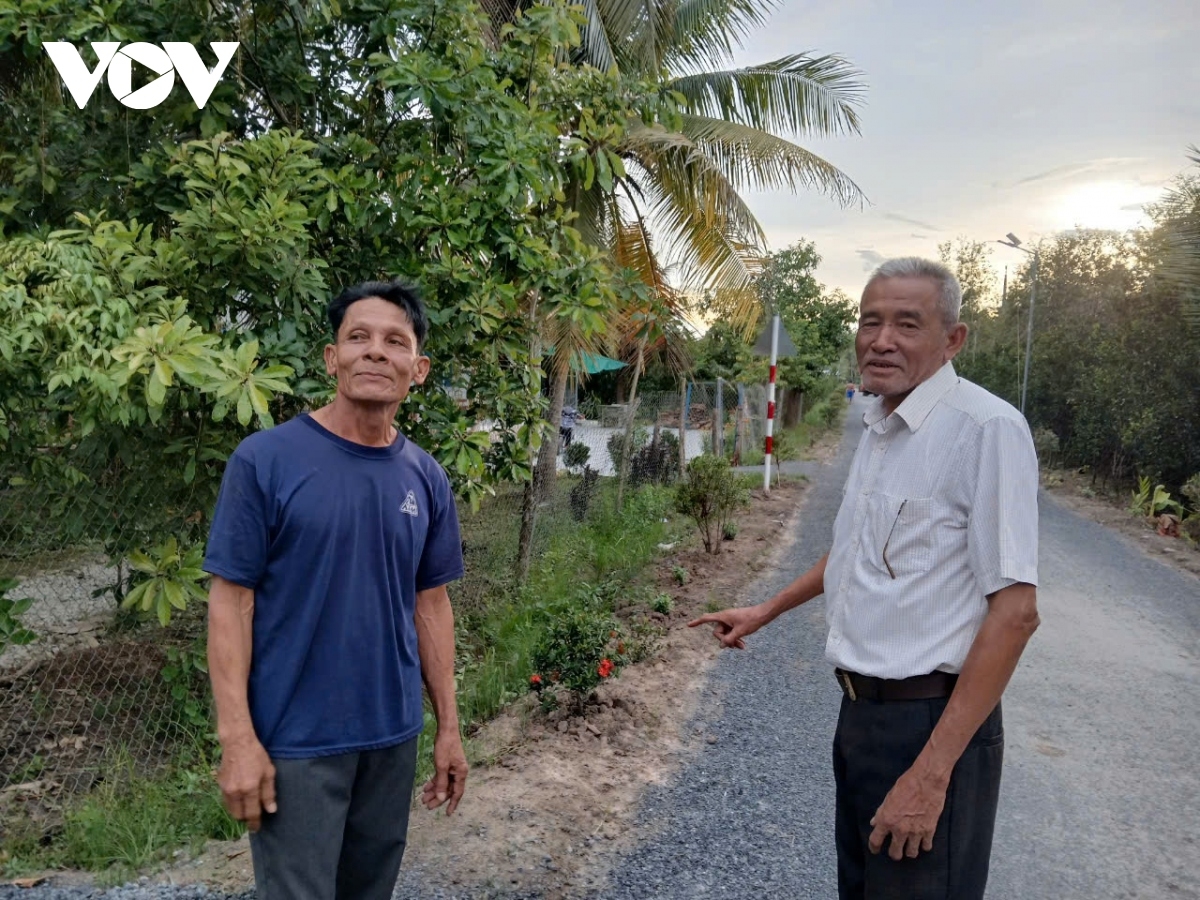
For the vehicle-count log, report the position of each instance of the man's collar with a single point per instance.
(920, 403)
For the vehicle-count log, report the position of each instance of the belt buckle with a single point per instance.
(850, 692)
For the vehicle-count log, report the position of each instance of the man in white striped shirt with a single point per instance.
(931, 591)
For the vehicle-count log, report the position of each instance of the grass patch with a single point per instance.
(130, 821)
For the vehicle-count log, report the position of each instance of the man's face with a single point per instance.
(375, 358)
(902, 338)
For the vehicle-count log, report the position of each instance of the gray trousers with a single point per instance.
(340, 829)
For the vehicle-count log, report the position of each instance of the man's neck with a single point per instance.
(369, 424)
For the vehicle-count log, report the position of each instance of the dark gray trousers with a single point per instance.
(340, 829)
(877, 742)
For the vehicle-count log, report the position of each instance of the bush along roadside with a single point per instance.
(574, 624)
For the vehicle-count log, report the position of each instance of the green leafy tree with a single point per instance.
(169, 271)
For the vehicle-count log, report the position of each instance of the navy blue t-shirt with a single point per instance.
(336, 539)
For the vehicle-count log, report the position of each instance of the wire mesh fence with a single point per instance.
(721, 417)
(96, 682)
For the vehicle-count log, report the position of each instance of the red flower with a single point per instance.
(535, 679)
(606, 668)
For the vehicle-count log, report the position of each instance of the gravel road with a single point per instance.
(1102, 776)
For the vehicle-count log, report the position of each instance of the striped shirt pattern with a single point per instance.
(939, 511)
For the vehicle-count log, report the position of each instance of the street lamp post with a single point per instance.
(1015, 242)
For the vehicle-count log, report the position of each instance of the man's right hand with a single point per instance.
(247, 780)
(731, 625)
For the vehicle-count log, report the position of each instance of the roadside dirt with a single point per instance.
(1111, 509)
(553, 796)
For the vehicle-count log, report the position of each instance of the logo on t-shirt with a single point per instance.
(410, 504)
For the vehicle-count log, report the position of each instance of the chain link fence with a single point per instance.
(99, 690)
(728, 417)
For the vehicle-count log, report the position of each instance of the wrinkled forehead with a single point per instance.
(901, 293)
(377, 314)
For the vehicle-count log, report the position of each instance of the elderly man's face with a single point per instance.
(902, 338)
(376, 359)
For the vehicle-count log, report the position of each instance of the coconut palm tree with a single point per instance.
(684, 179)
(676, 184)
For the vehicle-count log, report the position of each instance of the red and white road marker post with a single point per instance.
(770, 440)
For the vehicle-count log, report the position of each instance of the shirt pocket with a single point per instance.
(902, 534)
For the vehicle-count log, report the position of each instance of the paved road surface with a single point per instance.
(1101, 793)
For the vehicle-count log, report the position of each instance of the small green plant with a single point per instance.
(1154, 501)
(817, 414)
(12, 632)
(783, 447)
(616, 444)
(662, 604)
(709, 494)
(645, 638)
(576, 456)
(1191, 490)
(729, 531)
(832, 413)
(185, 672)
(680, 574)
(713, 605)
(581, 647)
(582, 492)
(175, 578)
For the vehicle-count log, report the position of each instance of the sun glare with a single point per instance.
(1104, 204)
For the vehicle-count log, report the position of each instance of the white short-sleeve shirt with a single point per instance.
(939, 511)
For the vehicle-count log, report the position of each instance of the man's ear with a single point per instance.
(331, 360)
(421, 372)
(956, 339)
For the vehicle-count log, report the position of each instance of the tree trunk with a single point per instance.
(793, 407)
(529, 495)
(630, 418)
(547, 461)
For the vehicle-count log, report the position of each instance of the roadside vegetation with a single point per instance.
(1114, 386)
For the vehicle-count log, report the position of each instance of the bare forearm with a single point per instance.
(810, 584)
(1011, 620)
(230, 643)
(435, 645)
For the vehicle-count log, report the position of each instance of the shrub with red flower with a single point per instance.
(579, 649)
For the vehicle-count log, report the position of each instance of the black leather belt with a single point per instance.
(919, 687)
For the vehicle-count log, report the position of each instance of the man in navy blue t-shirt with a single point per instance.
(331, 546)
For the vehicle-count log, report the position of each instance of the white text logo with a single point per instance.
(164, 61)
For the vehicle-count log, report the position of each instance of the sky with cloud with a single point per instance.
(987, 118)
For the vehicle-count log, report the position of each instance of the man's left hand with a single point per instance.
(450, 773)
(909, 815)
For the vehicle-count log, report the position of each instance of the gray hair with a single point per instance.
(949, 290)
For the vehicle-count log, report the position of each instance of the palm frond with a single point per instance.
(798, 94)
(1181, 213)
(678, 166)
(705, 32)
(631, 249)
(638, 31)
(757, 160)
(595, 45)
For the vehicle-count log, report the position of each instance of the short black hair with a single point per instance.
(400, 293)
